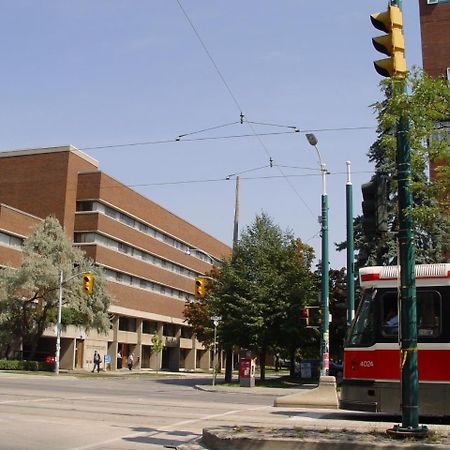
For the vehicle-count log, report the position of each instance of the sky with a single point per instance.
(108, 72)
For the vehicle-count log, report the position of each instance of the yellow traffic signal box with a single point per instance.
(391, 44)
(199, 287)
(87, 282)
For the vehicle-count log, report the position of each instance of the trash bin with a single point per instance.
(247, 372)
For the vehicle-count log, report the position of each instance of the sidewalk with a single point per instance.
(259, 390)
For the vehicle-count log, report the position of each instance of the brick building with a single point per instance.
(149, 255)
(435, 33)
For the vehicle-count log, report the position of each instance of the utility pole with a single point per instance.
(350, 249)
(236, 216)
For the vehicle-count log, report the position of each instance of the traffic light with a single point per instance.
(374, 205)
(87, 282)
(199, 288)
(392, 44)
(304, 316)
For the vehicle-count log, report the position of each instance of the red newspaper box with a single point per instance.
(247, 372)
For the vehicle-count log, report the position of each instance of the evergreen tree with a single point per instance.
(427, 104)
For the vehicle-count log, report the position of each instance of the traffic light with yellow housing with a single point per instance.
(87, 282)
(392, 44)
(199, 287)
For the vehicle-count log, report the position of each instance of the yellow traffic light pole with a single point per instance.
(394, 67)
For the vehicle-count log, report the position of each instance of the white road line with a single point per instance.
(168, 428)
(43, 399)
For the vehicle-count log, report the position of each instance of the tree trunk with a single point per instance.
(228, 364)
(292, 362)
(262, 364)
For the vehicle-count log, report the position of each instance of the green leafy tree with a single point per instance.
(259, 290)
(29, 294)
(427, 104)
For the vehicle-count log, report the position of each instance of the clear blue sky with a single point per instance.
(92, 73)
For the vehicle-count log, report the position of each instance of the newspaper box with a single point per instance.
(247, 372)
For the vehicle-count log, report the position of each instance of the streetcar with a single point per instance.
(372, 351)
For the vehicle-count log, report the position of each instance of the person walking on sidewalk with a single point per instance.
(130, 362)
(97, 360)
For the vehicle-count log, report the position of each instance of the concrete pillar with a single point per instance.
(156, 358)
(115, 344)
(174, 355)
(138, 348)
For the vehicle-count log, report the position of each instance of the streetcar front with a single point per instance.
(372, 361)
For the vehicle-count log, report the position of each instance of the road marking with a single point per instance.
(168, 428)
(43, 399)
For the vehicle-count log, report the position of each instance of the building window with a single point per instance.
(85, 206)
(10, 240)
(127, 324)
(149, 327)
(169, 329)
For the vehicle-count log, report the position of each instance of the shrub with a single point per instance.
(10, 364)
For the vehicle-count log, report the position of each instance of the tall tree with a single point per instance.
(260, 288)
(427, 103)
(29, 295)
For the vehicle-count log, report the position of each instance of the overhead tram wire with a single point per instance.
(181, 138)
(237, 103)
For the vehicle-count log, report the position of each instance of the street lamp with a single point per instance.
(216, 320)
(189, 251)
(325, 338)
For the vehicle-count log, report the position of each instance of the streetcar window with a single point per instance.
(389, 313)
(362, 331)
(428, 314)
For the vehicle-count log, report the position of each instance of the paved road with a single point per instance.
(48, 412)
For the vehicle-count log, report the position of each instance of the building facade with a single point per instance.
(435, 34)
(149, 256)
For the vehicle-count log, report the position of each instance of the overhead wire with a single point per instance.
(258, 137)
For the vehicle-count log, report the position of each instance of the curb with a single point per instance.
(221, 439)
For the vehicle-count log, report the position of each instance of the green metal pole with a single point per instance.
(408, 310)
(350, 249)
(408, 330)
(325, 279)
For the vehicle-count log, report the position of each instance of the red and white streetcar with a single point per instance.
(372, 351)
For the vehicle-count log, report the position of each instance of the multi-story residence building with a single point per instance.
(149, 255)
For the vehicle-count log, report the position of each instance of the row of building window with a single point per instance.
(10, 240)
(95, 238)
(151, 327)
(84, 206)
(141, 283)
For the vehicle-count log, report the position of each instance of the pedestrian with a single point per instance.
(119, 360)
(97, 360)
(130, 362)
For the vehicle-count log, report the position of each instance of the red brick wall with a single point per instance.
(100, 185)
(435, 30)
(43, 183)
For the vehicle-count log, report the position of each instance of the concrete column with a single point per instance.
(138, 349)
(156, 358)
(174, 356)
(190, 361)
(115, 343)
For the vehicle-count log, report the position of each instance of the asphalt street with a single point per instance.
(142, 412)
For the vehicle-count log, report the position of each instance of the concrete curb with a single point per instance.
(223, 439)
(250, 390)
(324, 396)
